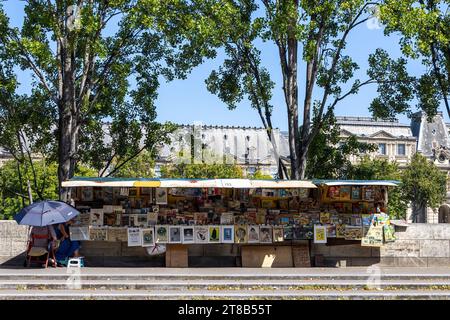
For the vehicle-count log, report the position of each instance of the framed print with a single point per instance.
(331, 230)
(161, 196)
(188, 235)
(320, 234)
(174, 234)
(278, 235)
(240, 233)
(87, 194)
(134, 237)
(253, 234)
(265, 234)
(287, 233)
(117, 234)
(201, 234)
(98, 234)
(96, 217)
(227, 234)
(162, 234)
(79, 233)
(214, 234)
(148, 237)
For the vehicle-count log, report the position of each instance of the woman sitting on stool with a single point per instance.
(67, 247)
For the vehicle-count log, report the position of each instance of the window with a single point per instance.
(382, 148)
(401, 149)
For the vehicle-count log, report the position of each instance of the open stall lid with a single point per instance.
(390, 183)
(185, 183)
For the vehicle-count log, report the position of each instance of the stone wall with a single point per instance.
(424, 245)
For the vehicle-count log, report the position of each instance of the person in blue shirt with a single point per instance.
(67, 248)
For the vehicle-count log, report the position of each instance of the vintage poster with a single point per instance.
(287, 233)
(340, 230)
(333, 192)
(240, 233)
(227, 234)
(325, 217)
(356, 193)
(353, 233)
(134, 237)
(227, 218)
(253, 233)
(345, 193)
(368, 193)
(79, 233)
(82, 220)
(162, 234)
(117, 234)
(307, 232)
(98, 233)
(188, 235)
(320, 234)
(87, 194)
(265, 234)
(152, 218)
(278, 235)
(201, 234)
(214, 234)
(331, 230)
(96, 217)
(161, 195)
(389, 233)
(148, 237)
(373, 238)
(174, 234)
(109, 219)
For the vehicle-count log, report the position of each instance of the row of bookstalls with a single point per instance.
(156, 213)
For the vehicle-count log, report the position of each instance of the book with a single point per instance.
(188, 235)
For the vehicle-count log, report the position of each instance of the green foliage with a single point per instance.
(382, 169)
(141, 166)
(201, 171)
(424, 183)
(258, 175)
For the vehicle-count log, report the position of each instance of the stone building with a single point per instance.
(395, 140)
(248, 147)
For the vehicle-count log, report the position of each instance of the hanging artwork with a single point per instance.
(98, 233)
(320, 234)
(265, 234)
(152, 218)
(227, 234)
(253, 234)
(162, 234)
(214, 234)
(117, 234)
(389, 233)
(96, 217)
(161, 196)
(353, 233)
(344, 193)
(108, 195)
(201, 234)
(79, 233)
(134, 237)
(188, 235)
(148, 237)
(277, 234)
(287, 233)
(356, 193)
(340, 230)
(87, 194)
(174, 234)
(240, 233)
(325, 217)
(124, 192)
(331, 230)
(373, 238)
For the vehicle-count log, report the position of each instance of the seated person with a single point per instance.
(42, 240)
(67, 247)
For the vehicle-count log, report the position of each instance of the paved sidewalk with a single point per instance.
(229, 272)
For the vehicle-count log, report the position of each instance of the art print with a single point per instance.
(240, 234)
(201, 234)
(227, 234)
(161, 196)
(148, 237)
(174, 234)
(253, 234)
(214, 234)
(188, 235)
(134, 237)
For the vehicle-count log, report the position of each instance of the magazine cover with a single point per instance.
(240, 233)
(331, 230)
(148, 237)
(227, 234)
(287, 233)
(374, 237)
(353, 233)
(278, 234)
(320, 234)
(253, 234)
(96, 217)
(265, 234)
(201, 234)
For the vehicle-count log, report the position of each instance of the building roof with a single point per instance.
(370, 127)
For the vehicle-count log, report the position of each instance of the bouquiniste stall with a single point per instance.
(156, 213)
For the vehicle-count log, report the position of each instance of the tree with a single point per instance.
(44, 184)
(141, 166)
(82, 74)
(382, 169)
(329, 155)
(315, 31)
(424, 185)
(258, 175)
(425, 33)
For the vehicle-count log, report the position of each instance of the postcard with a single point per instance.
(161, 195)
(278, 234)
(134, 237)
(201, 234)
(188, 235)
(320, 234)
(214, 234)
(253, 234)
(240, 234)
(227, 234)
(148, 237)
(175, 234)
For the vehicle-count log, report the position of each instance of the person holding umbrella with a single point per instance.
(42, 215)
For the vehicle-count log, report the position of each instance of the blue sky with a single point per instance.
(186, 101)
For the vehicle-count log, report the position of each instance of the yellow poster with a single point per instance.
(320, 234)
